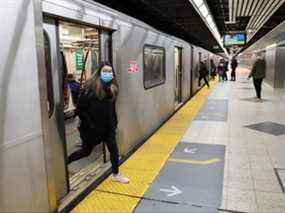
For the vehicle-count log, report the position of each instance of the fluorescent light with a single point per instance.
(209, 19)
(198, 2)
(212, 25)
(204, 11)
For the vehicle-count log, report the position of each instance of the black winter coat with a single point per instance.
(98, 117)
(203, 70)
(234, 64)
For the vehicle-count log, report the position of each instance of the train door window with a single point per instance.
(178, 75)
(154, 66)
(81, 55)
(106, 46)
(50, 95)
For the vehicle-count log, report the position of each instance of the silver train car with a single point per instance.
(45, 46)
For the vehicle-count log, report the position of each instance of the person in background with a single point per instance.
(74, 88)
(203, 72)
(258, 73)
(97, 113)
(234, 65)
(221, 70)
(213, 69)
(226, 69)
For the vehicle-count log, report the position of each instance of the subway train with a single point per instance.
(50, 48)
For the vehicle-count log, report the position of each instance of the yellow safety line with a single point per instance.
(198, 162)
(145, 164)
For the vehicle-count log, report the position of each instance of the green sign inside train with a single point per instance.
(79, 59)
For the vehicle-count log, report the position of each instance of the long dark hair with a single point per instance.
(95, 86)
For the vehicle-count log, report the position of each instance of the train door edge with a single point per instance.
(191, 70)
(55, 123)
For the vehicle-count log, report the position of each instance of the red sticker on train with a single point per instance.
(133, 66)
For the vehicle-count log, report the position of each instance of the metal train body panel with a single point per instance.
(23, 177)
(138, 117)
(27, 152)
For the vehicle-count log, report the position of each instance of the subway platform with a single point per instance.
(221, 152)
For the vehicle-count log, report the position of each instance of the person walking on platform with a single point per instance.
(234, 65)
(258, 73)
(221, 70)
(96, 110)
(213, 69)
(203, 72)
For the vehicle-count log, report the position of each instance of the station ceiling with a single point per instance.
(175, 17)
(255, 17)
(179, 18)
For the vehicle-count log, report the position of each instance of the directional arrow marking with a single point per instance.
(173, 191)
(189, 150)
(199, 162)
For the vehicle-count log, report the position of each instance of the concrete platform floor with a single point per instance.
(252, 132)
(252, 154)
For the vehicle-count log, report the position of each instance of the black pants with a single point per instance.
(225, 75)
(257, 85)
(233, 74)
(89, 144)
(205, 79)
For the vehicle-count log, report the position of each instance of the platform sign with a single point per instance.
(133, 66)
(234, 39)
(79, 59)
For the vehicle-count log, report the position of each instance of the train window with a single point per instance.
(50, 95)
(153, 66)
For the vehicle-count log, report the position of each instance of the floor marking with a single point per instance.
(172, 202)
(190, 150)
(198, 162)
(172, 130)
(173, 191)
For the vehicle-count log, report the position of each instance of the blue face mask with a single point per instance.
(107, 76)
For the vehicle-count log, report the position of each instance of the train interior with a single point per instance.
(80, 46)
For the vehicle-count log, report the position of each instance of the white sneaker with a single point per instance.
(120, 178)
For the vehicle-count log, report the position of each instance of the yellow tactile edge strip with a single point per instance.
(145, 164)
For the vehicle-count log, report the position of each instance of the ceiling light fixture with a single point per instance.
(204, 10)
(198, 2)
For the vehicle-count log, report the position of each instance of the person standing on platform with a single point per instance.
(258, 73)
(203, 72)
(226, 69)
(221, 70)
(213, 69)
(97, 113)
(234, 65)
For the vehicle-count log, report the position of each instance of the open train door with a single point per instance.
(73, 53)
(56, 158)
(178, 76)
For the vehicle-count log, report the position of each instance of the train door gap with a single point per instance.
(178, 76)
(74, 53)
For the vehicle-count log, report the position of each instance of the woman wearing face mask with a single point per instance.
(96, 110)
